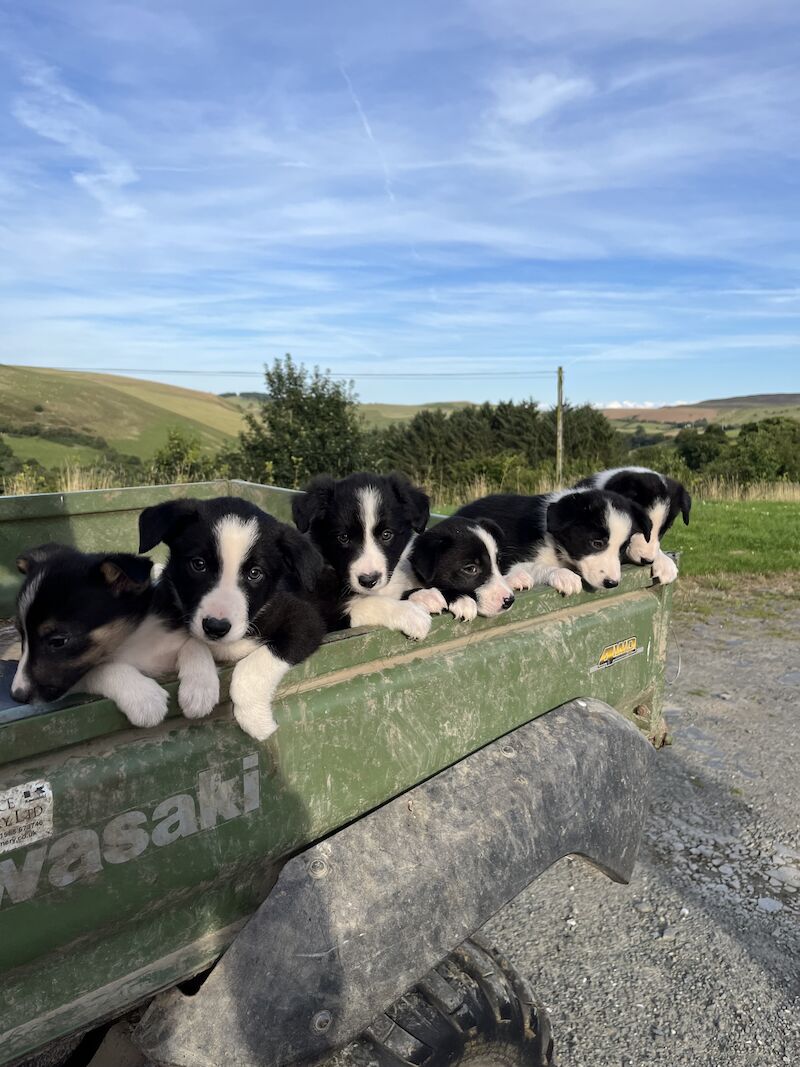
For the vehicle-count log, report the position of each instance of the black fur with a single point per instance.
(646, 488)
(452, 558)
(279, 571)
(575, 523)
(329, 512)
(66, 599)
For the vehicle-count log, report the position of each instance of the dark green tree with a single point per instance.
(306, 424)
(698, 450)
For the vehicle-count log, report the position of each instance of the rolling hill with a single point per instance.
(131, 415)
(731, 412)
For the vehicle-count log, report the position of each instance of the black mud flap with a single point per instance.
(354, 921)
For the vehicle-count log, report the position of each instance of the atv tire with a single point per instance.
(472, 1009)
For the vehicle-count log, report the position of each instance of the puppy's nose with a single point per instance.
(508, 601)
(215, 627)
(610, 583)
(369, 581)
(21, 696)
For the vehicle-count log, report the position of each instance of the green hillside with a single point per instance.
(132, 416)
(378, 415)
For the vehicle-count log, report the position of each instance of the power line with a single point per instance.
(409, 375)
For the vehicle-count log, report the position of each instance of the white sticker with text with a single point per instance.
(26, 815)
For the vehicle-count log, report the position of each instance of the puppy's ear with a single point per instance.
(313, 502)
(492, 528)
(28, 561)
(641, 520)
(426, 552)
(163, 522)
(414, 500)
(686, 505)
(300, 557)
(125, 573)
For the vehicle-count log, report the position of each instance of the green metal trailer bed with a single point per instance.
(131, 860)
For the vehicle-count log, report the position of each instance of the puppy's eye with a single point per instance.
(599, 542)
(387, 536)
(198, 564)
(343, 539)
(57, 640)
(470, 568)
(255, 574)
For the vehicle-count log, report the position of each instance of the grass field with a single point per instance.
(738, 537)
(133, 416)
(51, 454)
(375, 415)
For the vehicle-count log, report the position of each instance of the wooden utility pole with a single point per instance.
(560, 428)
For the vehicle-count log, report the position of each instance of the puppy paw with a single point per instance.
(664, 569)
(256, 719)
(568, 583)
(198, 694)
(431, 600)
(465, 609)
(144, 703)
(520, 580)
(413, 621)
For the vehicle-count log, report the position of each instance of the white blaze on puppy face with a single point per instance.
(226, 600)
(605, 565)
(495, 590)
(21, 683)
(642, 550)
(371, 559)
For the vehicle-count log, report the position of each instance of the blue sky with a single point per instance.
(468, 191)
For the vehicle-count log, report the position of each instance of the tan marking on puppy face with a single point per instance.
(104, 642)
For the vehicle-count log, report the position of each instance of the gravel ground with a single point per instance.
(697, 961)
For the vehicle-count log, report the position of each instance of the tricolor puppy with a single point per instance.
(234, 579)
(560, 538)
(85, 623)
(456, 564)
(364, 526)
(662, 498)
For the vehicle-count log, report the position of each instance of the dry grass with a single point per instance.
(719, 489)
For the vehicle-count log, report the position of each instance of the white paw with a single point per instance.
(198, 694)
(430, 599)
(144, 703)
(256, 719)
(464, 608)
(664, 569)
(568, 583)
(413, 621)
(520, 580)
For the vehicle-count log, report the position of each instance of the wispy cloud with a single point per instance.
(606, 186)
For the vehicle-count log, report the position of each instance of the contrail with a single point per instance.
(387, 178)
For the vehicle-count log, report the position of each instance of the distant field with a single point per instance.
(669, 420)
(51, 454)
(376, 415)
(133, 416)
(738, 537)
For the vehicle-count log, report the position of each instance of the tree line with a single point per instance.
(306, 423)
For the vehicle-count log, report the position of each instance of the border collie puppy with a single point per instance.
(457, 563)
(364, 526)
(560, 538)
(81, 620)
(235, 580)
(662, 498)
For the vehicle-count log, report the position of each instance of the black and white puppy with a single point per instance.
(456, 564)
(663, 499)
(86, 623)
(364, 525)
(235, 580)
(557, 539)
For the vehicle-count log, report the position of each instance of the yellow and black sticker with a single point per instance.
(614, 653)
